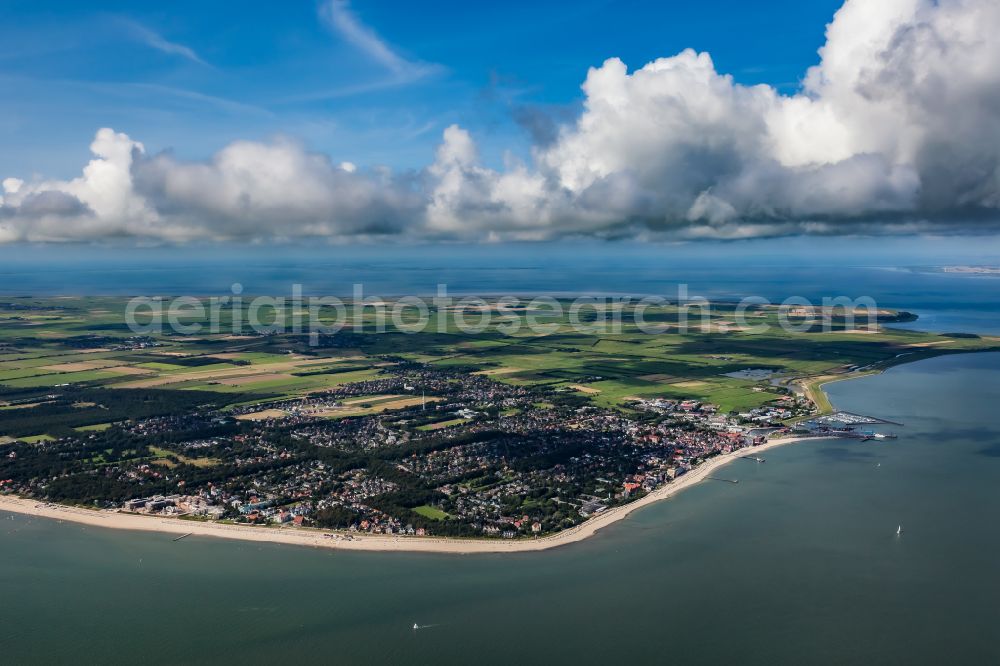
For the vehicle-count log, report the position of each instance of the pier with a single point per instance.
(852, 419)
(847, 425)
(848, 434)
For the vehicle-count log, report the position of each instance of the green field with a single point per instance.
(97, 427)
(440, 425)
(35, 439)
(166, 458)
(60, 357)
(430, 512)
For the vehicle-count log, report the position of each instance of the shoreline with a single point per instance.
(382, 543)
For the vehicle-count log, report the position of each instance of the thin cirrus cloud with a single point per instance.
(338, 15)
(156, 41)
(894, 131)
(399, 71)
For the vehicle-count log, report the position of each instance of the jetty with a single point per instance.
(852, 419)
(847, 425)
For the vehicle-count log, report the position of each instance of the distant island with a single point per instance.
(447, 440)
(972, 270)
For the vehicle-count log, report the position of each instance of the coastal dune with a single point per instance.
(298, 536)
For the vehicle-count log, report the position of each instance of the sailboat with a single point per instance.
(899, 530)
(415, 626)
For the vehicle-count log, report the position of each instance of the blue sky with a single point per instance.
(193, 76)
(336, 122)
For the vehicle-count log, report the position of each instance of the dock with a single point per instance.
(853, 434)
(852, 419)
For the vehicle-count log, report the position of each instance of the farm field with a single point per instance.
(72, 365)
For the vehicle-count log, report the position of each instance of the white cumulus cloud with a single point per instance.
(896, 129)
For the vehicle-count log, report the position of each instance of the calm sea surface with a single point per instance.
(945, 302)
(797, 564)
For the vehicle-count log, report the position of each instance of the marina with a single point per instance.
(842, 418)
(846, 425)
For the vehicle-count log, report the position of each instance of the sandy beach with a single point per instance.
(344, 541)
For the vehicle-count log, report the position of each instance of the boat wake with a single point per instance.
(424, 626)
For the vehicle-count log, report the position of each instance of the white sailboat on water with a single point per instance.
(899, 530)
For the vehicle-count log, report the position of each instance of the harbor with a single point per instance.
(846, 425)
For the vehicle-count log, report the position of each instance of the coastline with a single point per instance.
(813, 387)
(385, 543)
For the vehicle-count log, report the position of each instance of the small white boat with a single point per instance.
(415, 626)
(899, 530)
